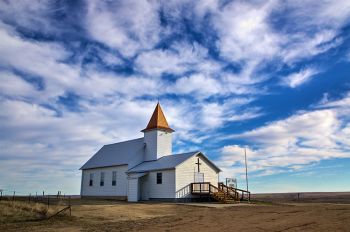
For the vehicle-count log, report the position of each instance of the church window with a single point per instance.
(91, 182)
(114, 178)
(102, 180)
(159, 178)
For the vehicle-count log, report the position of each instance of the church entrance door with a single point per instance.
(144, 189)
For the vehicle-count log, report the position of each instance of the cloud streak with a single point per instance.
(305, 138)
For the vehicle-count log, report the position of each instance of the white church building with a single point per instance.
(145, 168)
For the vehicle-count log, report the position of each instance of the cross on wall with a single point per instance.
(198, 163)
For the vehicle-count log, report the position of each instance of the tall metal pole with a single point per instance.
(246, 169)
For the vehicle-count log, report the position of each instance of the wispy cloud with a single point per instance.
(296, 79)
(119, 27)
(305, 138)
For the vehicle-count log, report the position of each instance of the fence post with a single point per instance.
(70, 207)
(13, 197)
(1, 195)
(43, 193)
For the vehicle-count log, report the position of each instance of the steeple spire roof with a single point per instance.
(158, 121)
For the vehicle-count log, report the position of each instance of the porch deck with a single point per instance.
(222, 193)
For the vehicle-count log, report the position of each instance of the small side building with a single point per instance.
(145, 168)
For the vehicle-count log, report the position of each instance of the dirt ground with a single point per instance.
(101, 215)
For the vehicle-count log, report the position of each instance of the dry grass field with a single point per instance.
(103, 215)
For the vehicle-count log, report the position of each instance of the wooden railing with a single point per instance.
(229, 191)
(236, 191)
(202, 188)
(207, 189)
(222, 191)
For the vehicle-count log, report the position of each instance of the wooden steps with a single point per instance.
(224, 198)
(222, 193)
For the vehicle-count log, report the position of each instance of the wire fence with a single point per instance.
(59, 202)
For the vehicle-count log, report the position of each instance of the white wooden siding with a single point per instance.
(185, 175)
(151, 145)
(107, 190)
(158, 144)
(164, 144)
(164, 190)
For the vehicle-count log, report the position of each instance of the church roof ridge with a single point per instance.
(158, 120)
(123, 141)
(165, 162)
(168, 162)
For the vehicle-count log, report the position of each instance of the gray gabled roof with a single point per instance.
(122, 153)
(167, 162)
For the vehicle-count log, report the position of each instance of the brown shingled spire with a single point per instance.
(158, 121)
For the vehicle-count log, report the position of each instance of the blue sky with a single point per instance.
(272, 76)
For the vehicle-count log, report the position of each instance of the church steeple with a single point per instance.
(157, 136)
(158, 121)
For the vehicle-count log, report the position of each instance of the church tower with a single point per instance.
(157, 136)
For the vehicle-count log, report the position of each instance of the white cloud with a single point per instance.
(30, 14)
(182, 57)
(303, 46)
(45, 141)
(245, 33)
(45, 60)
(156, 62)
(294, 142)
(41, 59)
(196, 84)
(296, 79)
(246, 115)
(127, 26)
(14, 86)
(328, 14)
(109, 58)
(342, 103)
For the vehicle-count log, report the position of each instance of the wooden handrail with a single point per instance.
(206, 188)
(235, 190)
(209, 187)
(242, 190)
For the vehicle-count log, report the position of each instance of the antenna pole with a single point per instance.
(246, 169)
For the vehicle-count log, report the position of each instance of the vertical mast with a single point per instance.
(246, 169)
